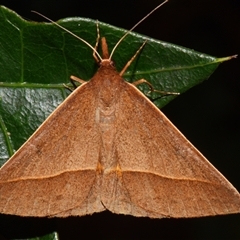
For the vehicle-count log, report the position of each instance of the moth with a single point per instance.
(108, 147)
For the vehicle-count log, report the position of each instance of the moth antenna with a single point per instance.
(66, 30)
(120, 40)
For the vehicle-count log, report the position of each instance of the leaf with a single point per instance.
(37, 58)
(51, 236)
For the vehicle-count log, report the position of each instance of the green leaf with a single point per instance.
(51, 236)
(36, 59)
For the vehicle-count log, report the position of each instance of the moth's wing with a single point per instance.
(159, 172)
(54, 172)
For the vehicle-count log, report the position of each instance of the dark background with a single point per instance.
(208, 115)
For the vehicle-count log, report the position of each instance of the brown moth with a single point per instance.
(108, 147)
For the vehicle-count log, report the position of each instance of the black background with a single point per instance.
(208, 114)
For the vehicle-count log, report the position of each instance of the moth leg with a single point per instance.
(76, 79)
(132, 59)
(96, 45)
(141, 81)
(68, 88)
